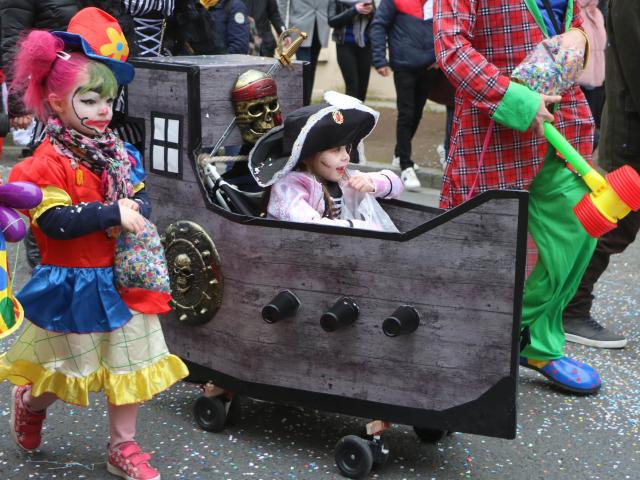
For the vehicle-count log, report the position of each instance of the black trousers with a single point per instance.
(595, 98)
(616, 241)
(412, 89)
(309, 55)
(355, 65)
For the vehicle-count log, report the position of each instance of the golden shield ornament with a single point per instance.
(195, 273)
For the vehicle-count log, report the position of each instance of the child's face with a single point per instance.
(87, 113)
(331, 164)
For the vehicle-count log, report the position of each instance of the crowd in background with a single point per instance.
(363, 32)
(393, 36)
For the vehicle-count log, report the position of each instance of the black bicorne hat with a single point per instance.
(310, 130)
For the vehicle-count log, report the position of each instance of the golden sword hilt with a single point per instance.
(285, 54)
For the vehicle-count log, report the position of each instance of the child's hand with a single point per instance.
(130, 220)
(127, 202)
(364, 8)
(361, 183)
(20, 122)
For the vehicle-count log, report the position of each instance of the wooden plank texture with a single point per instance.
(460, 276)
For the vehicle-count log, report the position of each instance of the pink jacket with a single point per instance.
(298, 197)
(593, 24)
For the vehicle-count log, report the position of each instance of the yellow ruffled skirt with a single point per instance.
(130, 364)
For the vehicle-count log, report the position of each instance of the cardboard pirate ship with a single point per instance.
(419, 327)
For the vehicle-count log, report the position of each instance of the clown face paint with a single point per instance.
(331, 165)
(87, 112)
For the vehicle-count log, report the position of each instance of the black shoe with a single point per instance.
(586, 331)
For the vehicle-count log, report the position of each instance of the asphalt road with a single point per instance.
(559, 436)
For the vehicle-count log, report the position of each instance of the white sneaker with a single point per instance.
(441, 154)
(410, 179)
(396, 163)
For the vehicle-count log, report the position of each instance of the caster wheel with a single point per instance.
(380, 452)
(233, 413)
(210, 413)
(430, 435)
(353, 457)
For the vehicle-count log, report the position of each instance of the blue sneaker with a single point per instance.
(567, 374)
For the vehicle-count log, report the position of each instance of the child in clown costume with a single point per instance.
(84, 335)
(497, 143)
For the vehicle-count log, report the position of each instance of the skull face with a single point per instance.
(182, 270)
(256, 117)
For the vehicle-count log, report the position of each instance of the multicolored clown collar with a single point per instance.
(98, 35)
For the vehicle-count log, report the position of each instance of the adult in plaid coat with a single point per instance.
(478, 44)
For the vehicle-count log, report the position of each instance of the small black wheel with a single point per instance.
(210, 413)
(233, 413)
(353, 457)
(380, 452)
(430, 435)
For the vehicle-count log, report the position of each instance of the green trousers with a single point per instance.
(564, 251)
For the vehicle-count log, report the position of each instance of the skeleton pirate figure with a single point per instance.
(255, 101)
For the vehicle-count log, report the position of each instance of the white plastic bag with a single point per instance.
(365, 207)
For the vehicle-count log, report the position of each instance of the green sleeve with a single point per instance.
(517, 108)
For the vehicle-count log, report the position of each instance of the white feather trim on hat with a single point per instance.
(340, 100)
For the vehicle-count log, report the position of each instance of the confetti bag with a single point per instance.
(549, 68)
(140, 261)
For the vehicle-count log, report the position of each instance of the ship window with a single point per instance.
(166, 144)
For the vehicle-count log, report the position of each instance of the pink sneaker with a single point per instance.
(129, 462)
(26, 426)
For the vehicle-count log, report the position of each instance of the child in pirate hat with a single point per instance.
(304, 165)
(84, 335)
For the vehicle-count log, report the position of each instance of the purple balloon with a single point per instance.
(20, 195)
(11, 224)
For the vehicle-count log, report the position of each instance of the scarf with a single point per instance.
(105, 155)
(360, 23)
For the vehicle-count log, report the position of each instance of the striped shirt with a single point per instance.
(335, 192)
(138, 8)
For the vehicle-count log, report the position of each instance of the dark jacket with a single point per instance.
(19, 16)
(193, 30)
(620, 130)
(266, 13)
(340, 15)
(410, 37)
(230, 17)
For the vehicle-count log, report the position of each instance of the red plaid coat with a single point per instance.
(478, 43)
